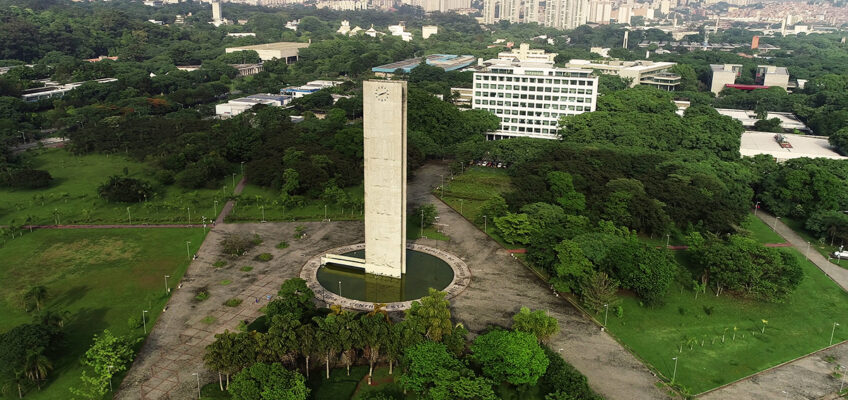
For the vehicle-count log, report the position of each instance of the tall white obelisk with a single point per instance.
(384, 112)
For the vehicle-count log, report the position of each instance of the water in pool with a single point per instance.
(423, 271)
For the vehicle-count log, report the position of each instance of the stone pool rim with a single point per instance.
(309, 273)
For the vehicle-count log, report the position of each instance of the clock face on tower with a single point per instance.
(381, 93)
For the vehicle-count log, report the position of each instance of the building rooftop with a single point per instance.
(272, 46)
(788, 121)
(448, 62)
(754, 143)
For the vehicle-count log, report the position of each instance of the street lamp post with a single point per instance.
(340, 288)
(144, 321)
(756, 207)
(325, 212)
(189, 214)
(110, 377)
(667, 239)
(443, 185)
(242, 169)
(606, 312)
(421, 235)
(263, 212)
(807, 252)
(674, 374)
(129, 216)
(460, 205)
(485, 222)
(832, 331)
(195, 373)
(166, 284)
(188, 252)
(774, 224)
(215, 203)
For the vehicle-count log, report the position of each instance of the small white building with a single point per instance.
(297, 92)
(525, 54)
(238, 106)
(429, 30)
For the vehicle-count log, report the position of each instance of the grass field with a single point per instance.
(800, 325)
(257, 200)
(72, 197)
(467, 193)
(823, 246)
(102, 277)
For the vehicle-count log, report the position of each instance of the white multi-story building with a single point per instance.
(525, 53)
(529, 98)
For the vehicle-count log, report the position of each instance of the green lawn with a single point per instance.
(760, 231)
(467, 193)
(413, 230)
(256, 200)
(822, 245)
(72, 197)
(101, 276)
(800, 325)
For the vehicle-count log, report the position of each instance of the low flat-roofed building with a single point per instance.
(53, 89)
(269, 51)
(462, 96)
(642, 72)
(525, 53)
(788, 121)
(240, 105)
(309, 88)
(447, 62)
(754, 143)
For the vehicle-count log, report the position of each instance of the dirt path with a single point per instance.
(501, 285)
(228, 207)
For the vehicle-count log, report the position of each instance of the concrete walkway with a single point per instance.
(835, 272)
(501, 285)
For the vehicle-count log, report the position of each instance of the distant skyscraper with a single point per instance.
(566, 14)
(600, 11)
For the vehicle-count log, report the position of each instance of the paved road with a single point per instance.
(501, 285)
(808, 377)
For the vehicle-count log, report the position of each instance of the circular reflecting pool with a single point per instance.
(423, 271)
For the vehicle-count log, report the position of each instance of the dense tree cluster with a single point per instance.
(436, 361)
(744, 266)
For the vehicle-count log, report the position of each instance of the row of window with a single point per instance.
(533, 89)
(524, 79)
(534, 97)
(528, 129)
(544, 106)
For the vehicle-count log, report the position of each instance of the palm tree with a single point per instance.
(283, 337)
(306, 341)
(36, 294)
(36, 365)
(52, 318)
(375, 332)
(327, 338)
(350, 336)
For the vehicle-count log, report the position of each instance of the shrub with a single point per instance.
(201, 294)
(134, 322)
(219, 264)
(257, 240)
(264, 257)
(236, 245)
(562, 377)
(246, 268)
(510, 356)
(226, 282)
(120, 189)
(282, 245)
(26, 179)
(234, 302)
